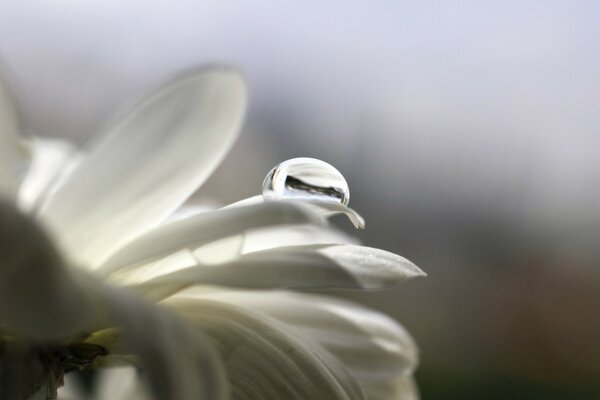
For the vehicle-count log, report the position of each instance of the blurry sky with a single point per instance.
(469, 132)
(501, 95)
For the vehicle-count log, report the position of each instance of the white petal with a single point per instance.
(40, 298)
(332, 208)
(10, 160)
(249, 201)
(192, 232)
(122, 383)
(312, 266)
(51, 161)
(269, 237)
(272, 237)
(402, 388)
(220, 251)
(264, 359)
(326, 208)
(142, 273)
(178, 360)
(373, 268)
(147, 164)
(188, 210)
(373, 346)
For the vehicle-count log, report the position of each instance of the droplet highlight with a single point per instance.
(308, 179)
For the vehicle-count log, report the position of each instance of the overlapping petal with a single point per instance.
(42, 299)
(373, 346)
(293, 235)
(264, 360)
(51, 161)
(110, 213)
(326, 208)
(39, 297)
(179, 361)
(298, 267)
(204, 228)
(147, 164)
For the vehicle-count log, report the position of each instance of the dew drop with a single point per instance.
(306, 178)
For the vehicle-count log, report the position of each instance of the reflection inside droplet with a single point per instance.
(306, 178)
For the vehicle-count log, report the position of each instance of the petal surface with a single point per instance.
(326, 208)
(147, 164)
(298, 267)
(203, 228)
(373, 346)
(40, 298)
(179, 361)
(51, 160)
(264, 359)
(300, 235)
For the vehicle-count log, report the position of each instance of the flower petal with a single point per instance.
(299, 267)
(10, 164)
(179, 361)
(278, 236)
(192, 232)
(326, 208)
(147, 164)
(373, 346)
(51, 160)
(332, 208)
(40, 298)
(373, 268)
(264, 359)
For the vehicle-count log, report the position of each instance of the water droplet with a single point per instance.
(306, 178)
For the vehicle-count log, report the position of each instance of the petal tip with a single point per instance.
(419, 273)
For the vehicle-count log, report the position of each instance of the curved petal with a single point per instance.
(299, 267)
(10, 162)
(51, 160)
(147, 164)
(264, 359)
(189, 210)
(204, 228)
(326, 208)
(331, 208)
(273, 237)
(40, 298)
(373, 346)
(179, 361)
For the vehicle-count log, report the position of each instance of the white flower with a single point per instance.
(119, 240)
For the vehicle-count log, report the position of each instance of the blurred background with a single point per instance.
(469, 133)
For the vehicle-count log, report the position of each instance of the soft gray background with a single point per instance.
(468, 131)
